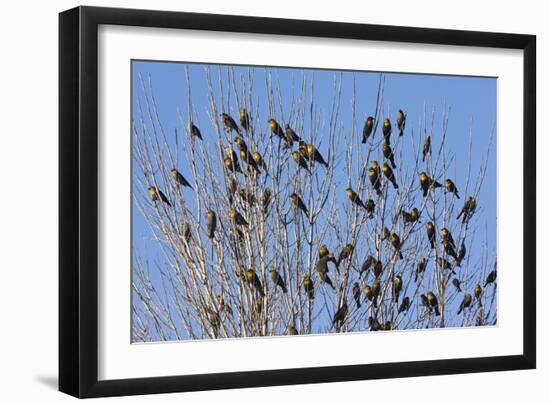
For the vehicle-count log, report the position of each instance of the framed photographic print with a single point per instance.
(249, 201)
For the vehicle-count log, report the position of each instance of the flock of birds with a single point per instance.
(306, 156)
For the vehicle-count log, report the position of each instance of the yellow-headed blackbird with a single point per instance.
(278, 280)
(252, 166)
(298, 203)
(276, 128)
(302, 163)
(367, 128)
(340, 314)
(446, 236)
(410, 217)
(451, 187)
(374, 177)
(158, 195)
(374, 324)
(377, 268)
(237, 218)
(313, 154)
(291, 330)
(245, 119)
(367, 290)
(370, 206)
(346, 253)
(386, 130)
(367, 265)
(195, 132)
(461, 254)
(290, 134)
(456, 284)
(241, 144)
(324, 251)
(424, 301)
(229, 123)
(400, 120)
(427, 148)
(388, 153)
(180, 179)
(356, 290)
(466, 302)
(309, 288)
(468, 210)
(420, 268)
(477, 293)
(491, 278)
(427, 182)
(430, 229)
(448, 247)
(432, 300)
(322, 270)
(376, 288)
(396, 243)
(354, 197)
(388, 172)
(211, 223)
(254, 280)
(266, 200)
(404, 306)
(230, 161)
(397, 286)
(259, 161)
(187, 234)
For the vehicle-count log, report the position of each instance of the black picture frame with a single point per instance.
(78, 196)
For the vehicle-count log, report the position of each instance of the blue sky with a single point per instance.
(471, 103)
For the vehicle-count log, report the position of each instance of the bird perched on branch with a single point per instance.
(248, 157)
(230, 161)
(309, 288)
(254, 281)
(420, 268)
(468, 210)
(374, 177)
(346, 253)
(448, 247)
(354, 198)
(158, 195)
(374, 324)
(340, 314)
(427, 147)
(302, 149)
(291, 330)
(410, 217)
(461, 254)
(451, 187)
(491, 278)
(397, 286)
(404, 306)
(443, 263)
(426, 183)
(229, 123)
(385, 234)
(315, 155)
(278, 280)
(367, 290)
(259, 161)
(446, 236)
(186, 232)
(396, 244)
(466, 302)
(388, 153)
(237, 218)
(266, 201)
(367, 128)
(478, 291)
(324, 251)
(388, 172)
(298, 203)
(356, 290)
(430, 229)
(377, 268)
(386, 131)
(244, 118)
(240, 143)
(434, 304)
(322, 269)
(302, 163)
(456, 284)
(180, 179)
(376, 289)
(291, 135)
(424, 301)
(195, 132)
(400, 120)
(276, 128)
(211, 223)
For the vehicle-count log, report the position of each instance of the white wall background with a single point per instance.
(28, 207)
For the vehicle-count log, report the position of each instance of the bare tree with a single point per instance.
(260, 241)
